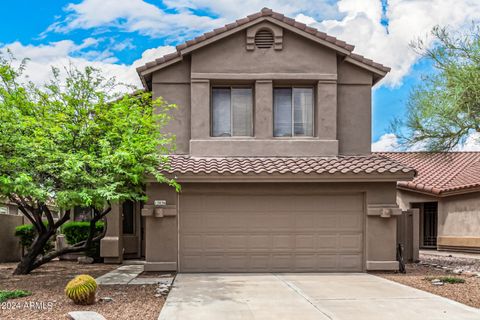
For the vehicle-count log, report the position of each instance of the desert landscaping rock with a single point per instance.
(106, 299)
(418, 276)
(85, 315)
(85, 260)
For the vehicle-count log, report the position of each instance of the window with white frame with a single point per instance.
(232, 111)
(293, 112)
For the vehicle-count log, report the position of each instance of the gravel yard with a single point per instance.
(48, 300)
(420, 276)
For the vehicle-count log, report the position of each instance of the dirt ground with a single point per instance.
(467, 293)
(48, 300)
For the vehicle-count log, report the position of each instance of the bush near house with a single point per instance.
(77, 231)
(27, 233)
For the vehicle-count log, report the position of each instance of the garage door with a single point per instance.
(271, 233)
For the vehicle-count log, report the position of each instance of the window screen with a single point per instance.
(293, 112)
(232, 113)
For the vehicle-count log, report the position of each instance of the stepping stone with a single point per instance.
(84, 315)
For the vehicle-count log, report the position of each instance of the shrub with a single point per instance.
(6, 294)
(82, 289)
(77, 231)
(27, 233)
(447, 279)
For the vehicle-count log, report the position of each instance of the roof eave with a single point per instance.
(289, 177)
(440, 193)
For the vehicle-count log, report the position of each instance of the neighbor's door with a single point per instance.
(428, 223)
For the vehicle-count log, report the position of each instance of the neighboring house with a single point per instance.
(273, 131)
(10, 249)
(447, 193)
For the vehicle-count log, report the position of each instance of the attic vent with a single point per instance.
(264, 39)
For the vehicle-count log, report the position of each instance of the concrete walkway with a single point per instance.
(304, 297)
(121, 275)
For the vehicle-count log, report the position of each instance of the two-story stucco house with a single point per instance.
(273, 131)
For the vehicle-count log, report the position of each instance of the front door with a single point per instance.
(131, 229)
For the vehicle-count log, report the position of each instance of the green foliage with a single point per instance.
(447, 279)
(13, 294)
(77, 231)
(445, 109)
(82, 289)
(27, 233)
(75, 141)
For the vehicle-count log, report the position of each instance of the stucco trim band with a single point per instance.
(264, 76)
(382, 265)
(458, 241)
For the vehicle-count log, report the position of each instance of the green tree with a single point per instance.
(445, 109)
(75, 142)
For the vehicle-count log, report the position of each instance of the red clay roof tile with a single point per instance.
(372, 164)
(440, 172)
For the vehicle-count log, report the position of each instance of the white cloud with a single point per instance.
(472, 143)
(387, 143)
(132, 16)
(355, 21)
(231, 10)
(408, 20)
(63, 53)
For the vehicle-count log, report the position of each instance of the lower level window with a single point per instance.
(232, 112)
(293, 112)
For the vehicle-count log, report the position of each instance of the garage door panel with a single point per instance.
(271, 233)
(352, 242)
(213, 242)
(305, 242)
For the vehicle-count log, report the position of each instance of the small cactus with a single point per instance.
(82, 289)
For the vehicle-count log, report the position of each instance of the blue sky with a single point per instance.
(118, 35)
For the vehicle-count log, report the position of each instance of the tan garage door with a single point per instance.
(271, 233)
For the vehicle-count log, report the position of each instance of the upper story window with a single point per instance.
(232, 113)
(293, 112)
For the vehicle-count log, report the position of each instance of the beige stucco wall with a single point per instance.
(458, 218)
(10, 249)
(354, 109)
(342, 97)
(298, 55)
(173, 85)
(380, 235)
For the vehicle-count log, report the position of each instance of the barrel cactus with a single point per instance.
(82, 289)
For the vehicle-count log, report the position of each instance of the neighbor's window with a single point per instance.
(4, 210)
(232, 112)
(293, 112)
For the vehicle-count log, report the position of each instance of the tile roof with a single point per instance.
(440, 172)
(265, 12)
(371, 164)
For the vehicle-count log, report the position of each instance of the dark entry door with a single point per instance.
(429, 223)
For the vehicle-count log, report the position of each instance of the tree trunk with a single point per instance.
(27, 263)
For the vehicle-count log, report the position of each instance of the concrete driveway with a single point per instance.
(304, 297)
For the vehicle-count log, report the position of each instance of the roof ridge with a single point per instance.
(265, 12)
